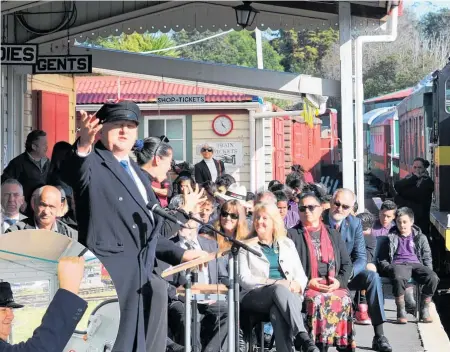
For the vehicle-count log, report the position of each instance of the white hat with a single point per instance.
(235, 192)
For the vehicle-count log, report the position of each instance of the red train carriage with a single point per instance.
(382, 145)
(415, 118)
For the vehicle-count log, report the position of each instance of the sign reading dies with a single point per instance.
(17, 54)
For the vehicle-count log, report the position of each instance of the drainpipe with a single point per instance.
(252, 130)
(359, 97)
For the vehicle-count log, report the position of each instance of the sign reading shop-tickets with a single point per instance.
(63, 64)
(181, 99)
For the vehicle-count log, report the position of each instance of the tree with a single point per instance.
(234, 48)
(434, 24)
(303, 51)
(136, 42)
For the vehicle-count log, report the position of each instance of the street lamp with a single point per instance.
(245, 14)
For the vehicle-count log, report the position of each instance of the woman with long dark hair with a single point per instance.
(59, 154)
(328, 267)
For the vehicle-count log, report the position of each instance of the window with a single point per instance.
(447, 96)
(174, 127)
(35, 296)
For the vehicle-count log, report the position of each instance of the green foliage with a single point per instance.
(303, 51)
(136, 42)
(434, 24)
(234, 48)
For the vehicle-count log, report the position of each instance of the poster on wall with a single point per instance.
(230, 152)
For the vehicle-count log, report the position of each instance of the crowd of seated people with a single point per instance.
(314, 250)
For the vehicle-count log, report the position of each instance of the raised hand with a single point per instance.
(70, 273)
(192, 198)
(90, 125)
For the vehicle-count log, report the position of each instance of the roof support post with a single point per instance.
(347, 125)
(359, 98)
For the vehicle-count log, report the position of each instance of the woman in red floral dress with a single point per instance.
(328, 267)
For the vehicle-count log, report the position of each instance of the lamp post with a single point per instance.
(245, 14)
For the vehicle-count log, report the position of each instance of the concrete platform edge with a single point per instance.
(433, 336)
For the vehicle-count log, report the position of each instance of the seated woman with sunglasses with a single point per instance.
(324, 256)
(275, 282)
(209, 168)
(232, 222)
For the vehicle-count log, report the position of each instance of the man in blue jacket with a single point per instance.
(61, 318)
(339, 217)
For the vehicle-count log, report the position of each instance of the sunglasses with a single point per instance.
(311, 208)
(161, 140)
(206, 150)
(225, 214)
(344, 206)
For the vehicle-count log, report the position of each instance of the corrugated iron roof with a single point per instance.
(400, 94)
(101, 89)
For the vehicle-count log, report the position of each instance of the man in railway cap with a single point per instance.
(339, 217)
(106, 180)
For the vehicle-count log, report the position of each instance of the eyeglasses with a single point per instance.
(225, 214)
(344, 206)
(161, 140)
(311, 208)
(206, 150)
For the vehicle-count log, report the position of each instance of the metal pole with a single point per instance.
(345, 39)
(359, 98)
(252, 131)
(259, 51)
(231, 318)
(187, 313)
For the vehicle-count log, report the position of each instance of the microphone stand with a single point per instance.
(233, 286)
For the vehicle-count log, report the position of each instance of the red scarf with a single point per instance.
(326, 249)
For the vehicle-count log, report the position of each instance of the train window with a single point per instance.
(95, 288)
(447, 96)
(35, 296)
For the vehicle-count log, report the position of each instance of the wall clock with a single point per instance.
(222, 125)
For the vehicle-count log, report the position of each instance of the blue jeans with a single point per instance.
(371, 282)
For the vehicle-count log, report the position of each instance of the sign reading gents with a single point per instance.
(17, 54)
(63, 64)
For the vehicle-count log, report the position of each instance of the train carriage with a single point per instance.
(383, 144)
(415, 120)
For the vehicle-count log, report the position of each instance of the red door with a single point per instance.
(278, 149)
(53, 116)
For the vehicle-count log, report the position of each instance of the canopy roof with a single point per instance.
(90, 19)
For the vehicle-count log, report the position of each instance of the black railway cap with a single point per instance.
(124, 110)
(6, 296)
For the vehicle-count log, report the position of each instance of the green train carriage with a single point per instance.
(440, 169)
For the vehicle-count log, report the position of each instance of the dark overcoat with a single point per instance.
(202, 173)
(58, 324)
(116, 226)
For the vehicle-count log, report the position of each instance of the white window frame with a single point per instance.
(165, 118)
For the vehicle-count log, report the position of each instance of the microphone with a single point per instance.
(155, 208)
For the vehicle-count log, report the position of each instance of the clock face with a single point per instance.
(222, 125)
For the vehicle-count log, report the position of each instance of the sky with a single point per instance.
(423, 7)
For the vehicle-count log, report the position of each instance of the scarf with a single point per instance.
(326, 249)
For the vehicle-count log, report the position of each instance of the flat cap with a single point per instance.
(124, 110)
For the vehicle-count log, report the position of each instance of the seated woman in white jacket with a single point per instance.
(274, 283)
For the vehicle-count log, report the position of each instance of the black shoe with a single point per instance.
(309, 346)
(381, 344)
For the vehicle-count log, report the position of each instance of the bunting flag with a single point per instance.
(309, 112)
